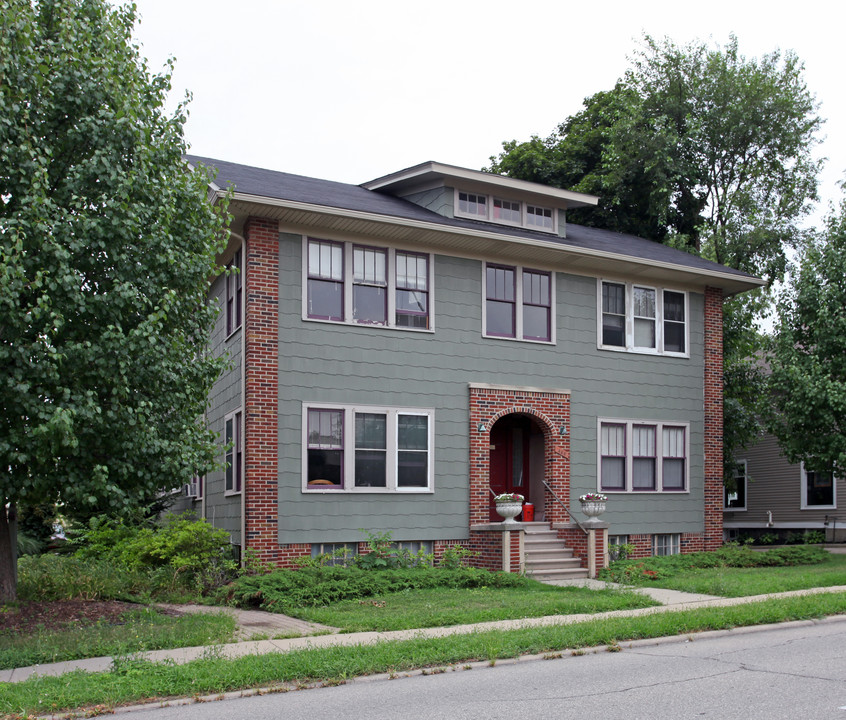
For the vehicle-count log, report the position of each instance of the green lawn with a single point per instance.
(435, 607)
(739, 582)
(133, 681)
(139, 630)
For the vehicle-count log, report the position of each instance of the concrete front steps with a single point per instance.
(547, 557)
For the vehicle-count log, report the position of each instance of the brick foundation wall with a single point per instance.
(713, 419)
(642, 546)
(288, 554)
(261, 444)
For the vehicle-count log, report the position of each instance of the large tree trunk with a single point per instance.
(8, 553)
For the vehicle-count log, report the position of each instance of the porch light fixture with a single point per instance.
(562, 430)
(482, 427)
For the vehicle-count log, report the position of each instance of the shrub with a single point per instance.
(183, 554)
(768, 538)
(632, 572)
(814, 537)
(65, 577)
(285, 590)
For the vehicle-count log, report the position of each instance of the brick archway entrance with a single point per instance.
(549, 410)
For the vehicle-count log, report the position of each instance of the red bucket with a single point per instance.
(528, 512)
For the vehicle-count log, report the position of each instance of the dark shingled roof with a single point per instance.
(285, 186)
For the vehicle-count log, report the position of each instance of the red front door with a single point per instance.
(509, 459)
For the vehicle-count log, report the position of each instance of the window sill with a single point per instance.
(516, 339)
(733, 510)
(430, 331)
(231, 493)
(818, 507)
(233, 333)
(642, 351)
(367, 491)
(644, 492)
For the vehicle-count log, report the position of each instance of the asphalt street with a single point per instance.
(793, 671)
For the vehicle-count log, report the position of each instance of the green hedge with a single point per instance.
(317, 586)
(731, 556)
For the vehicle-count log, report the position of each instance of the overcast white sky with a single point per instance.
(350, 90)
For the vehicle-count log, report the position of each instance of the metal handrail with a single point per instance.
(560, 502)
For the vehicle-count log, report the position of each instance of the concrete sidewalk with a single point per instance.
(671, 600)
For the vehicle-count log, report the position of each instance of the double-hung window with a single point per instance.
(734, 498)
(370, 285)
(638, 456)
(818, 490)
(643, 319)
(325, 295)
(234, 292)
(643, 457)
(350, 283)
(234, 444)
(412, 280)
(518, 303)
(367, 449)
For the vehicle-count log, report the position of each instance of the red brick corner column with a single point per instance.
(261, 377)
(713, 418)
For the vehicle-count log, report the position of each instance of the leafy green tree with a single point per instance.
(695, 146)
(705, 150)
(107, 243)
(808, 358)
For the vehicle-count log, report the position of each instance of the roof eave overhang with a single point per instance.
(472, 242)
(451, 174)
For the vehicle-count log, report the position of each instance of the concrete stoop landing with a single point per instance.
(547, 557)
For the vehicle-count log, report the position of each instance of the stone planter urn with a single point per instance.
(509, 505)
(593, 509)
(593, 504)
(509, 511)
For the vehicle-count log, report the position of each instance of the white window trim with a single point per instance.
(803, 476)
(348, 246)
(501, 221)
(745, 490)
(237, 417)
(231, 287)
(489, 200)
(659, 456)
(675, 543)
(349, 449)
(518, 297)
(659, 320)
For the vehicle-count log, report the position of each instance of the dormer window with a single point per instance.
(507, 211)
(472, 204)
(539, 217)
(504, 211)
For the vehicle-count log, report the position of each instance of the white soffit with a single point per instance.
(471, 242)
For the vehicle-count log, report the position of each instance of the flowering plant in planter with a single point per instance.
(509, 498)
(593, 497)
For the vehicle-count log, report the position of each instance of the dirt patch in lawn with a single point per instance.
(28, 617)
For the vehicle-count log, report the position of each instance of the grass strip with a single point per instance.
(438, 607)
(138, 630)
(739, 582)
(135, 680)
